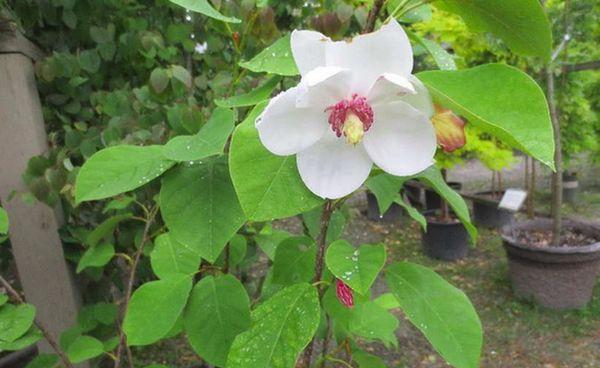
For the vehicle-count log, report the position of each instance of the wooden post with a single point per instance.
(43, 272)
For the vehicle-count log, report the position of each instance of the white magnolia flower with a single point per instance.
(356, 104)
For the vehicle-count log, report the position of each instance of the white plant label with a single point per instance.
(513, 199)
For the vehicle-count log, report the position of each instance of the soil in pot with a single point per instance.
(433, 201)
(447, 240)
(394, 213)
(557, 277)
(486, 212)
(570, 187)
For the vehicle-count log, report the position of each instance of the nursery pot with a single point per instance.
(486, 212)
(447, 241)
(570, 187)
(433, 201)
(555, 277)
(392, 214)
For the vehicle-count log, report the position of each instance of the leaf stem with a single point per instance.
(122, 338)
(372, 17)
(53, 344)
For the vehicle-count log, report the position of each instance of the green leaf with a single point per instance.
(31, 337)
(181, 74)
(356, 267)
(96, 256)
(269, 239)
(412, 212)
(3, 299)
(264, 181)
(84, 348)
(43, 361)
(387, 301)
(499, 100)
(386, 189)
(171, 257)
(154, 308)
(337, 223)
(294, 261)
(434, 178)
(281, 328)
(3, 221)
(275, 59)
(366, 360)
(200, 208)
(159, 80)
(521, 24)
(253, 97)
(15, 321)
(105, 228)
(372, 322)
(442, 58)
(209, 141)
(218, 310)
(442, 312)
(89, 61)
(119, 169)
(118, 203)
(204, 7)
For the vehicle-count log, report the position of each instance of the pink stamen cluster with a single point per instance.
(357, 105)
(344, 293)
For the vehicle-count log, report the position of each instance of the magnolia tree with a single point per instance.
(357, 115)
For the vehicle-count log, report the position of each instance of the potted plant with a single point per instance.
(555, 262)
(495, 157)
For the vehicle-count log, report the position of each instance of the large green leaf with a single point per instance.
(386, 189)
(154, 308)
(253, 97)
(500, 100)
(3, 221)
(281, 328)
(209, 141)
(218, 310)
(356, 267)
(15, 321)
(294, 261)
(204, 7)
(372, 322)
(264, 181)
(442, 312)
(96, 256)
(171, 257)
(275, 59)
(434, 178)
(31, 337)
(119, 169)
(521, 24)
(84, 348)
(200, 208)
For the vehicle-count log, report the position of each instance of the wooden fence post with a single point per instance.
(44, 274)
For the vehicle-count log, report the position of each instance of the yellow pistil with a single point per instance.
(353, 129)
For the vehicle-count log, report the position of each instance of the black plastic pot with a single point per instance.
(570, 187)
(487, 214)
(445, 241)
(394, 213)
(433, 201)
(555, 277)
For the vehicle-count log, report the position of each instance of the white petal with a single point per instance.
(388, 88)
(308, 49)
(323, 87)
(332, 168)
(371, 55)
(422, 99)
(285, 129)
(401, 140)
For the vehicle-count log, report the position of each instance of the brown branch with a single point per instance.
(373, 14)
(131, 281)
(589, 65)
(15, 295)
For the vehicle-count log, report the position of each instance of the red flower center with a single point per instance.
(343, 111)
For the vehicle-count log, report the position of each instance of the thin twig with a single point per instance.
(373, 14)
(131, 281)
(15, 295)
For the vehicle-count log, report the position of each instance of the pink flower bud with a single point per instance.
(344, 293)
